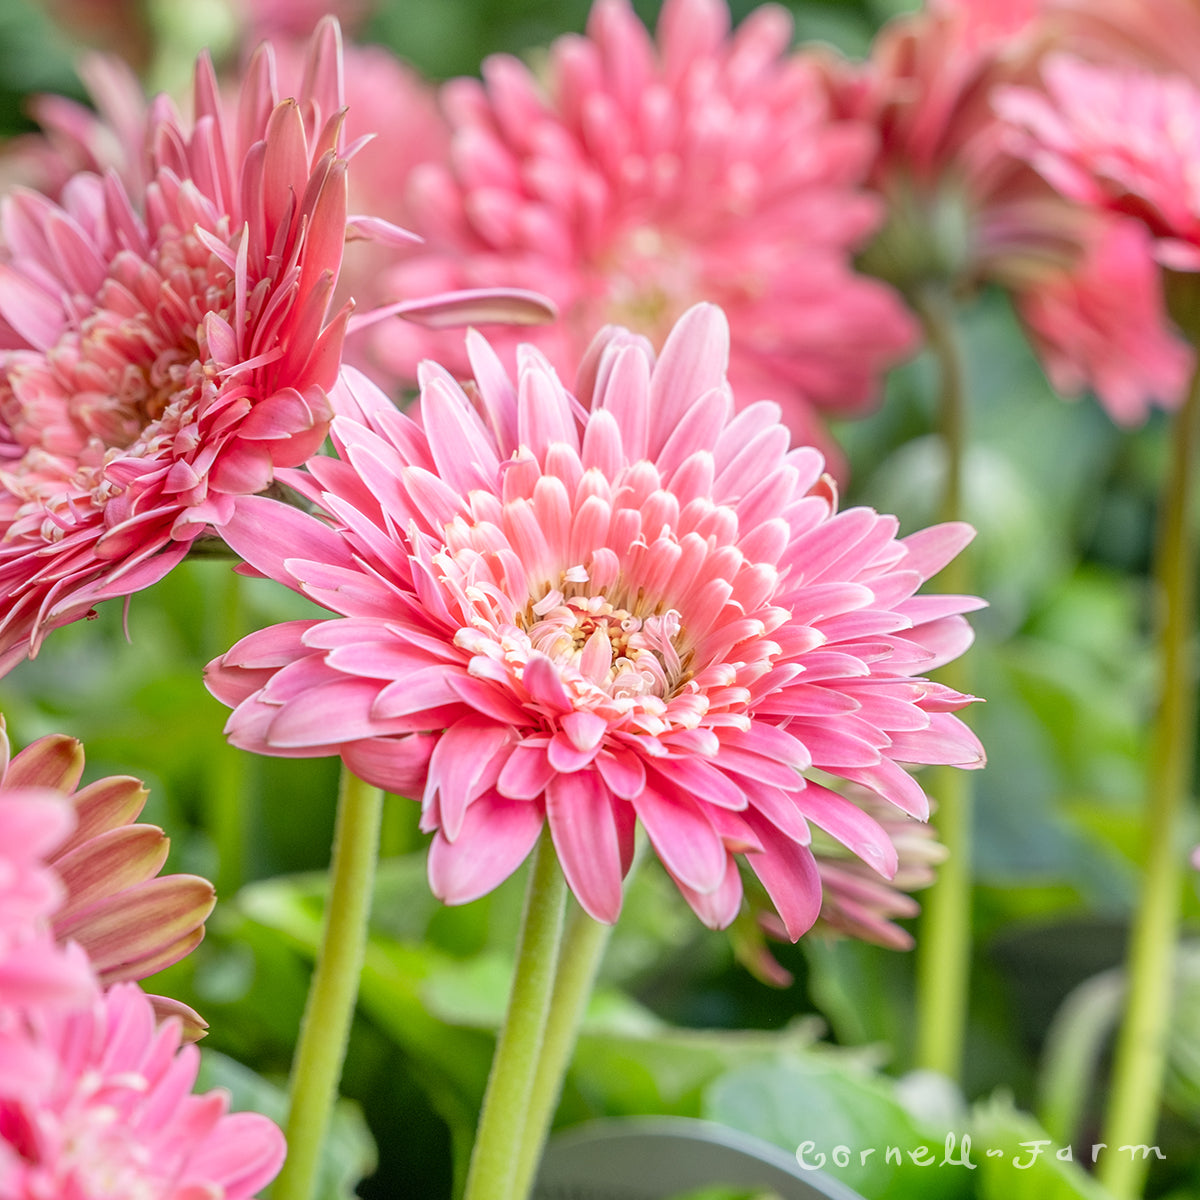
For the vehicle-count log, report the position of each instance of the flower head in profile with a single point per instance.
(965, 209)
(588, 611)
(97, 1102)
(643, 175)
(165, 350)
(110, 898)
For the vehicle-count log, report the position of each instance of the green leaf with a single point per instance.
(838, 1117)
(1016, 1157)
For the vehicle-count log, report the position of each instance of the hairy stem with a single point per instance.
(325, 1030)
(1140, 1062)
(944, 938)
(504, 1123)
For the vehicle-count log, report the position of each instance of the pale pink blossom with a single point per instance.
(966, 209)
(587, 611)
(97, 1102)
(34, 970)
(641, 175)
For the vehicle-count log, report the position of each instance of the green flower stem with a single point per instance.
(325, 1029)
(944, 938)
(1140, 1061)
(503, 1123)
(582, 949)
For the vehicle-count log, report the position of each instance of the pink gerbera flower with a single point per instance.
(163, 352)
(588, 611)
(643, 175)
(965, 210)
(166, 346)
(97, 1102)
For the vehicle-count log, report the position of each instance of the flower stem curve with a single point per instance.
(1136, 1086)
(504, 1123)
(325, 1029)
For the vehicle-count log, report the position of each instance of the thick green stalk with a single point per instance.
(325, 1029)
(582, 949)
(944, 938)
(1136, 1087)
(503, 1123)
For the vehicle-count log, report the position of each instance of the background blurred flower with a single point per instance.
(628, 606)
(1122, 139)
(649, 174)
(97, 1102)
(966, 209)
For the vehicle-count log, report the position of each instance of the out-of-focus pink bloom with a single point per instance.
(34, 970)
(588, 611)
(648, 175)
(74, 137)
(965, 209)
(97, 1102)
(112, 901)
(164, 352)
(855, 901)
(1119, 138)
(1089, 324)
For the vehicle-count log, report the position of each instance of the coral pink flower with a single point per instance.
(97, 1102)
(163, 352)
(130, 921)
(964, 209)
(586, 612)
(648, 175)
(1123, 139)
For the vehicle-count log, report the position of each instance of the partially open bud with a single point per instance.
(130, 921)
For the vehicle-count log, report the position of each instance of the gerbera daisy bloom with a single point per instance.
(97, 1101)
(643, 175)
(588, 611)
(965, 209)
(164, 351)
